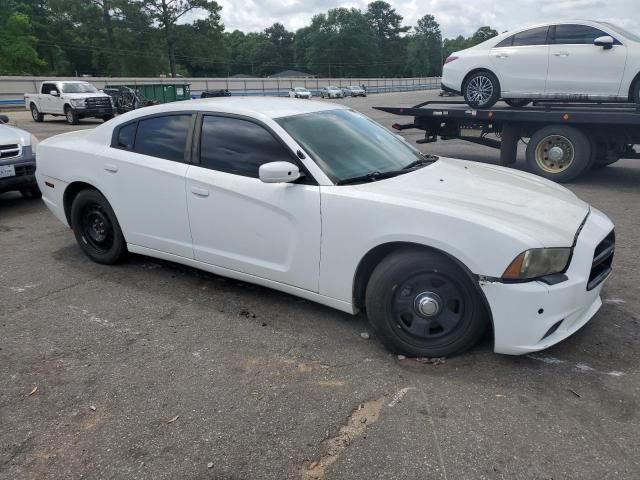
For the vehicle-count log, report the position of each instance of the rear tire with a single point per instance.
(96, 228)
(71, 116)
(422, 304)
(35, 114)
(559, 153)
(517, 102)
(481, 90)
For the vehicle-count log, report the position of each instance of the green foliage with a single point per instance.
(154, 37)
(17, 52)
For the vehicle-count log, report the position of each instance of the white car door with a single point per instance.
(578, 67)
(149, 164)
(270, 230)
(521, 62)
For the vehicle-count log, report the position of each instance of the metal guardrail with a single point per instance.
(12, 89)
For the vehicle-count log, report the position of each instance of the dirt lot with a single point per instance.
(154, 370)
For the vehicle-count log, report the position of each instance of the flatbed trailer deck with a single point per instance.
(565, 139)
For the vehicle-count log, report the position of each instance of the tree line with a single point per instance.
(158, 37)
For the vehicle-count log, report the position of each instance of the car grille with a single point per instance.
(10, 151)
(25, 170)
(98, 102)
(602, 260)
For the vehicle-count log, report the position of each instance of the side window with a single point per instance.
(534, 36)
(507, 42)
(237, 146)
(163, 137)
(576, 34)
(127, 136)
(49, 87)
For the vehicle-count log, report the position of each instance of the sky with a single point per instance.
(456, 17)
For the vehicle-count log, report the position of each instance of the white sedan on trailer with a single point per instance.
(319, 201)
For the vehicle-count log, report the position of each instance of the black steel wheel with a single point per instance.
(96, 228)
(422, 304)
(481, 89)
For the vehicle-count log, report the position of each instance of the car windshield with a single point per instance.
(300, 89)
(622, 31)
(354, 87)
(78, 88)
(346, 144)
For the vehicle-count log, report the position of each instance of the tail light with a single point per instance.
(450, 59)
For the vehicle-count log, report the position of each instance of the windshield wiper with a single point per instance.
(421, 162)
(370, 177)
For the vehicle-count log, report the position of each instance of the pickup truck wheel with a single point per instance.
(71, 116)
(421, 304)
(481, 90)
(31, 192)
(106, 118)
(96, 228)
(35, 114)
(559, 153)
(517, 102)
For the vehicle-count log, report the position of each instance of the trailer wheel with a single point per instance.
(559, 153)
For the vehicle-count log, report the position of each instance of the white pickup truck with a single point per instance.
(72, 99)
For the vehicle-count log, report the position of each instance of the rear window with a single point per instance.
(127, 136)
(163, 137)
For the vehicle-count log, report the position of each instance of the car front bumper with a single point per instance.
(25, 172)
(532, 316)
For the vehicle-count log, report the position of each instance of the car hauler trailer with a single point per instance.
(565, 139)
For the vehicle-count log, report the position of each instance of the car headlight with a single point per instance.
(77, 102)
(537, 263)
(34, 144)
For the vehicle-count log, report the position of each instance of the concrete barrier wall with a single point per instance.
(12, 89)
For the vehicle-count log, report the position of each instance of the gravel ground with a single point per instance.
(154, 370)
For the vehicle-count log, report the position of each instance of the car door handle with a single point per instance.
(200, 192)
(110, 168)
(502, 55)
(561, 54)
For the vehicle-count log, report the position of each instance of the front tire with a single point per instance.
(106, 118)
(481, 90)
(559, 153)
(517, 102)
(71, 116)
(96, 228)
(421, 304)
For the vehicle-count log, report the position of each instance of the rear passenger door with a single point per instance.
(578, 67)
(269, 230)
(521, 62)
(147, 164)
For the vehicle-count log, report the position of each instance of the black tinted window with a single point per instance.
(163, 137)
(49, 87)
(127, 135)
(507, 42)
(576, 34)
(535, 36)
(238, 146)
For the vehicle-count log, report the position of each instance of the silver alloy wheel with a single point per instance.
(480, 89)
(69, 115)
(34, 112)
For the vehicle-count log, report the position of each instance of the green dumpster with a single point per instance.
(162, 92)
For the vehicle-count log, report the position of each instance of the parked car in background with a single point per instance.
(300, 92)
(319, 201)
(331, 92)
(72, 99)
(354, 91)
(17, 160)
(572, 61)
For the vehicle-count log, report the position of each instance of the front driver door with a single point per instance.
(578, 67)
(237, 222)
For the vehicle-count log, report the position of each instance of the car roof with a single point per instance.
(256, 107)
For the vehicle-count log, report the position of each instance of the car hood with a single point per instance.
(11, 135)
(84, 95)
(507, 200)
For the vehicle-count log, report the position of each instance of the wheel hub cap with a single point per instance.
(428, 304)
(556, 153)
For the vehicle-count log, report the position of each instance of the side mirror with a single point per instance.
(279, 172)
(54, 93)
(605, 42)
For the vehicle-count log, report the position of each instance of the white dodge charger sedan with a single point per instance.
(319, 201)
(569, 60)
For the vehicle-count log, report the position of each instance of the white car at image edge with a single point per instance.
(571, 60)
(317, 200)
